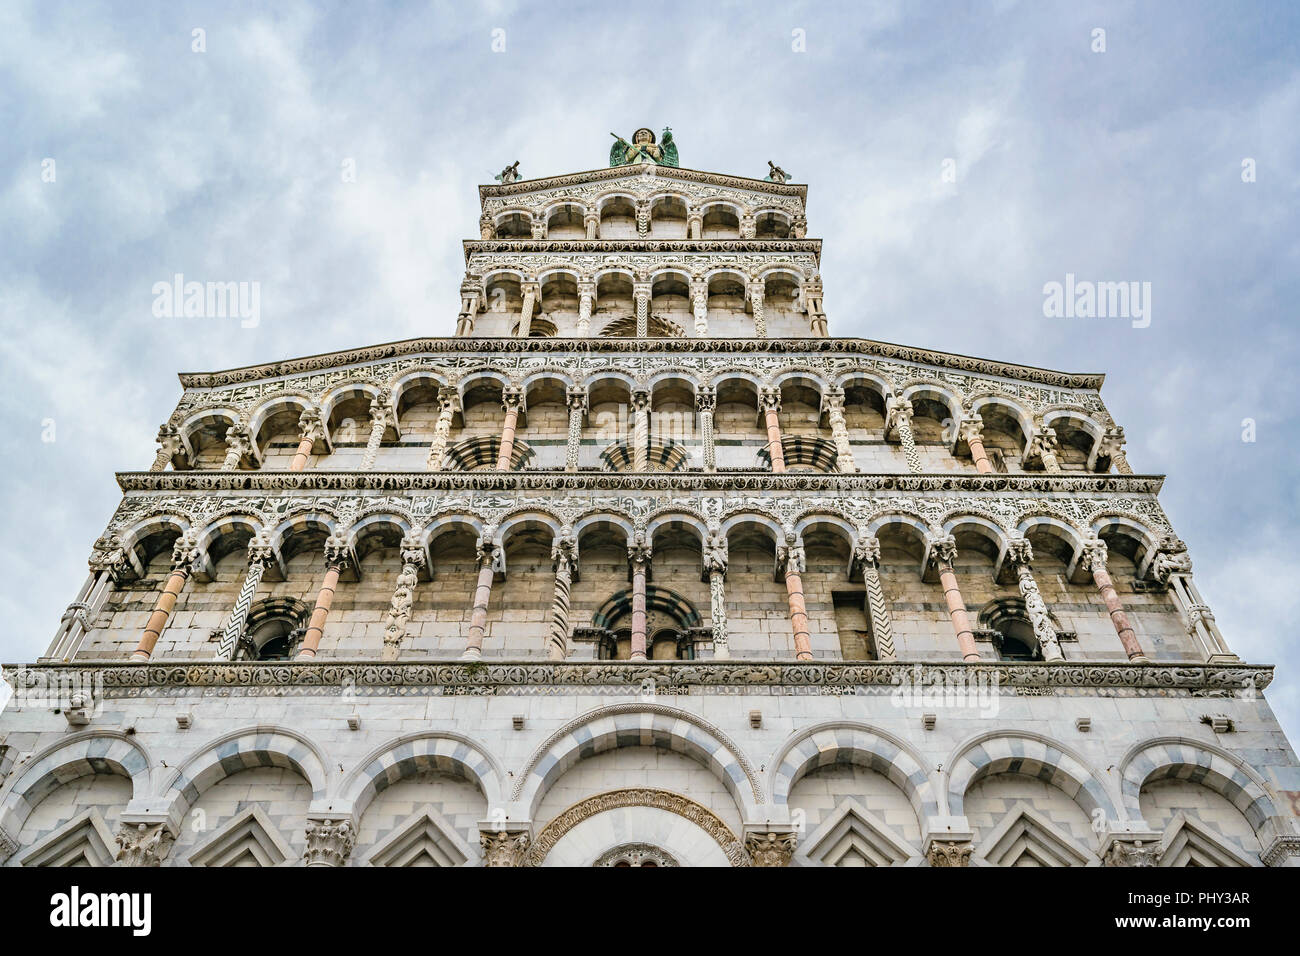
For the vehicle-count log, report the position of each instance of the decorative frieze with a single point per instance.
(119, 678)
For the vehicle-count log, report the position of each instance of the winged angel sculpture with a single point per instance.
(644, 149)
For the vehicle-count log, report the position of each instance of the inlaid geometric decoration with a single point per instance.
(84, 840)
(1025, 837)
(250, 839)
(1187, 842)
(854, 836)
(424, 838)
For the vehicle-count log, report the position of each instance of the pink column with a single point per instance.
(639, 555)
(944, 553)
(793, 559)
(1094, 559)
(334, 563)
(482, 594)
(303, 454)
(161, 612)
(771, 399)
(971, 434)
(511, 399)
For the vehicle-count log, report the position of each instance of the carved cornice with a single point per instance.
(523, 187)
(125, 679)
(556, 481)
(673, 346)
(620, 246)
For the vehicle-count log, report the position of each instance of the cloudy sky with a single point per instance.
(225, 164)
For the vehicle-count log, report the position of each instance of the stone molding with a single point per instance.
(523, 187)
(1217, 679)
(677, 346)
(728, 481)
(705, 819)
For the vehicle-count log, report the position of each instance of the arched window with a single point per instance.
(1007, 625)
(274, 629)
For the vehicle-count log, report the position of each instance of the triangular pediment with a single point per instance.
(250, 839)
(1190, 843)
(854, 836)
(1025, 837)
(424, 838)
(84, 840)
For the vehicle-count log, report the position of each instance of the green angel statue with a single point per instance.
(644, 149)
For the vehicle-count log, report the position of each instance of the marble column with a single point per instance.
(770, 399)
(336, 559)
(971, 431)
(706, 401)
(867, 556)
(791, 558)
(1172, 567)
(1043, 447)
(184, 553)
(310, 431)
(511, 400)
(169, 446)
(641, 293)
(531, 292)
(899, 419)
(577, 401)
(840, 431)
(1111, 446)
(715, 566)
(586, 300)
(638, 554)
(260, 554)
(448, 400)
(565, 555)
(1021, 556)
(399, 608)
(239, 444)
(700, 306)
(756, 291)
(380, 418)
(487, 558)
(591, 221)
(640, 430)
(943, 552)
(748, 226)
(642, 218)
(1094, 560)
(694, 223)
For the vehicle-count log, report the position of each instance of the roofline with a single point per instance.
(373, 353)
(683, 173)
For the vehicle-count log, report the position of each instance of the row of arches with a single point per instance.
(385, 552)
(619, 214)
(422, 407)
(1134, 792)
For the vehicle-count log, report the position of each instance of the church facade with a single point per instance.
(642, 567)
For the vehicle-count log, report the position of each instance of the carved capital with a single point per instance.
(706, 400)
(949, 853)
(1131, 853)
(1019, 551)
(771, 399)
(943, 549)
(329, 842)
(504, 847)
(771, 848)
(1093, 556)
(867, 551)
(511, 397)
(143, 844)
